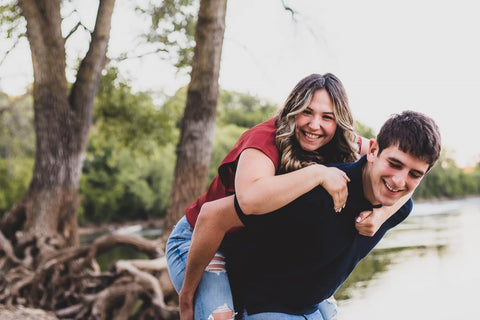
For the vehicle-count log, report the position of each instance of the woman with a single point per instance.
(278, 160)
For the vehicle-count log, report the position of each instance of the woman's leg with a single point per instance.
(283, 316)
(328, 308)
(213, 298)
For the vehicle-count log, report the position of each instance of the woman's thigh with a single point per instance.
(213, 298)
(176, 252)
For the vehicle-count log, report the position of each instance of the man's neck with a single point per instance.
(367, 186)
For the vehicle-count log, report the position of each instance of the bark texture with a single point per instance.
(48, 211)
(195, 147)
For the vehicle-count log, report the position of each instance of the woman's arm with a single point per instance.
(363, 145)
(259, 190)
(368, 222)
(214, 220)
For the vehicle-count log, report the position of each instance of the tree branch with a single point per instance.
(292, 11)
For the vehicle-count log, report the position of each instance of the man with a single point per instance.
(282, 264)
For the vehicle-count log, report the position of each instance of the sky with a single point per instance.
(421, 55)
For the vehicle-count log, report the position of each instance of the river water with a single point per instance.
(426, 268)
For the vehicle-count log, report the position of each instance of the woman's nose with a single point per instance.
(315, 123)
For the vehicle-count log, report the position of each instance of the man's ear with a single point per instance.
(372, 150)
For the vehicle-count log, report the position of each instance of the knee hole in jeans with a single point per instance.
(217, 264)
(222, 313)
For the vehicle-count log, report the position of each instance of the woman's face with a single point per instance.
(316, 124)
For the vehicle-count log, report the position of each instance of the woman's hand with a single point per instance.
(335, 182)
(368, 222)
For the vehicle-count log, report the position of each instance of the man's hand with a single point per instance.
(186, 306)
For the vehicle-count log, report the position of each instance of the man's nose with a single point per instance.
(400, 179)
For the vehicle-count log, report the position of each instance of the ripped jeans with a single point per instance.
(213, 296)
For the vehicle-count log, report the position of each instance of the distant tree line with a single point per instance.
(130, 160)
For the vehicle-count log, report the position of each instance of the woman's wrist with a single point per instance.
(320, 174)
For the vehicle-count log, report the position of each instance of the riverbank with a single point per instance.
(88, 229)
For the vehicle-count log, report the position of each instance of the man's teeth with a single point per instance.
(390, 188)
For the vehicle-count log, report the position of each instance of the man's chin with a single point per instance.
(389, 201)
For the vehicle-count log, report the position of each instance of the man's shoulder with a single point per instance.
(352, 169)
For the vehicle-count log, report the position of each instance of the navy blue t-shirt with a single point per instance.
(295, 257)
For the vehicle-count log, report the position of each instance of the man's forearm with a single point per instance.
(213, 222)
(205, 242)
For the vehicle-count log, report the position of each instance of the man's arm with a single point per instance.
(214, 220)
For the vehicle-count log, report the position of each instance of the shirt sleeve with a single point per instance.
(261, 137)
(242, 216)
(402, 213)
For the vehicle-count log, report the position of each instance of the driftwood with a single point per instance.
(69, 283)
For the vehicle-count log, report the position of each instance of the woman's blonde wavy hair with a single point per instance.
(342, 148)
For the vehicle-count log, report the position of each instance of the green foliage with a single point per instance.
(364, 130)
(17, 137)
(130, 160)
(447, 180)
(12, 24)
(17, 147)
(131, 119)
(119, 185)
(243, 109)
(172, 29)
(15, 175)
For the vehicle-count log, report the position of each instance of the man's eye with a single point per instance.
(395, 166)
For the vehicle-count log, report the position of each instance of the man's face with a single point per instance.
(391, 174)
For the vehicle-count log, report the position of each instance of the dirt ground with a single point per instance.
(16, 313)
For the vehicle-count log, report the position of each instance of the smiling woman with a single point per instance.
(316, 124)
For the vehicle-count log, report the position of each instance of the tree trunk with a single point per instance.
(48, 211)
(195, 146)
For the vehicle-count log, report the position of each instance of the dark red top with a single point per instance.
(261, 137)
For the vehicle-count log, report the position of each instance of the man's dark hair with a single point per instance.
(414, 133)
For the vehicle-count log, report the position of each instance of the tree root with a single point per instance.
(69, 282)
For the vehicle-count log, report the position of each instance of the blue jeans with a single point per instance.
(317, 315)
(213, 293)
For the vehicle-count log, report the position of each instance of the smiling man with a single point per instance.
(282, 264)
